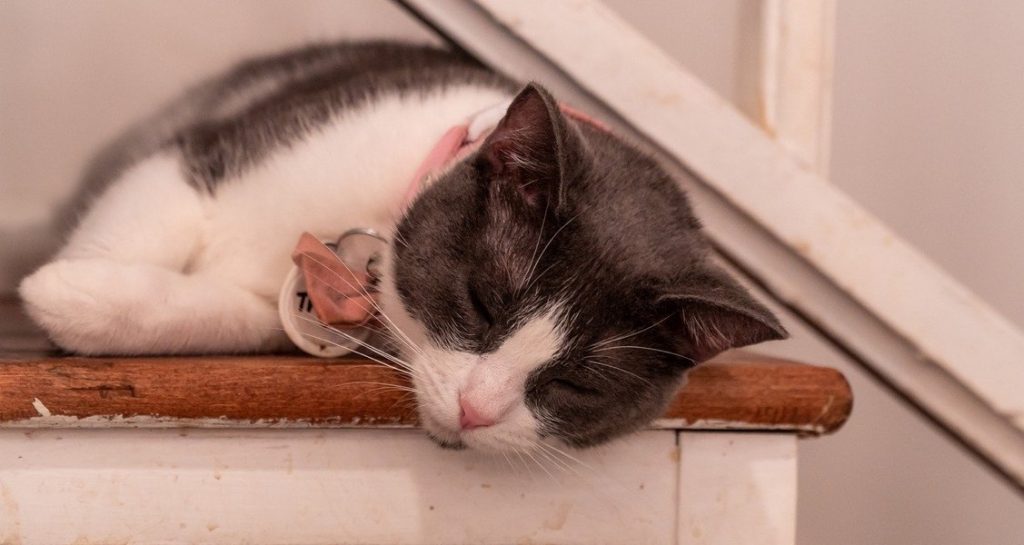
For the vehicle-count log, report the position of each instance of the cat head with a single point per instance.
(555, 284)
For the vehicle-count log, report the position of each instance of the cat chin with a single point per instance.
(491, 443)
(447, 443)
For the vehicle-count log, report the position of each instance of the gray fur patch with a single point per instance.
(231, 122)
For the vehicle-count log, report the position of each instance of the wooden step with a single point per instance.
(40, 388)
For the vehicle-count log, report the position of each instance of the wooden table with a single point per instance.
(286, 449)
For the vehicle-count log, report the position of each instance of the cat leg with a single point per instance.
(101, 306)
(121, 285)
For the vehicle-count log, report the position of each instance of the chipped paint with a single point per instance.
(735, 425)
(559, 517)
(40, 408)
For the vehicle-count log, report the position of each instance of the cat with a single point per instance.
(554, 284)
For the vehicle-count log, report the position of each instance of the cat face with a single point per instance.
(555, 284)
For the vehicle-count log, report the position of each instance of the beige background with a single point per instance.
(929, 133)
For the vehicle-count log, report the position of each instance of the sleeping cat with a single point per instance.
(551, 284)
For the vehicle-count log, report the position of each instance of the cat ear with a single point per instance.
(530, 147)
(715, 313)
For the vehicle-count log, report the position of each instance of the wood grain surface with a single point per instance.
(748, 392)
(41, 388)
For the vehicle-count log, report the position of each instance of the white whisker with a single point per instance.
(620, 338)
(567, 455)
(533, 269)
(384, 386)
(360, 342)
(398, 331)
(595, 361)
(533, 257)
(645, 348)
(358, 353)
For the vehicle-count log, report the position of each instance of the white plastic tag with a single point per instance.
(356, 247)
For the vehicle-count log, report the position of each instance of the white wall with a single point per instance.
(928, 134)
(928, 128)
(929, 120)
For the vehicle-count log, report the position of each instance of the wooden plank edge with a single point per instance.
(748, 393)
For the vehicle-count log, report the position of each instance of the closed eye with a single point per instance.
(479, 307)
(569, 386)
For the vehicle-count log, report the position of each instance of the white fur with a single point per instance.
(156, 267)
(494, 383)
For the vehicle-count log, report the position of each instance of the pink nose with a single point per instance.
(470, 417)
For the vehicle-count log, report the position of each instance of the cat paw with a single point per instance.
(71, 300)
(104, 307)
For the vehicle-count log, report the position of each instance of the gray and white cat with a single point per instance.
(554, 283)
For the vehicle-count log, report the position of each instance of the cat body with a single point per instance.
(553, 284)
(185, 249)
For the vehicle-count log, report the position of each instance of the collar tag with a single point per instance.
(327, 304)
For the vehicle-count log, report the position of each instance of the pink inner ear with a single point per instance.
(340, 296)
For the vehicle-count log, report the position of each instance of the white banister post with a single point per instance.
(785, 74)
(737, 488)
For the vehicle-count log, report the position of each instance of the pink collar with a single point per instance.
(460, 140)
(345, 298)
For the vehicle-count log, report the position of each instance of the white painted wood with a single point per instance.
(786, 74)
(45, 420)
(327, 487)
(389, 487)
(806, 243)
(737, 488)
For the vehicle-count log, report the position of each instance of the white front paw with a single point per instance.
(72, 300)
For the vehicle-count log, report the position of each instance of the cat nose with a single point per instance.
(470, 417)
